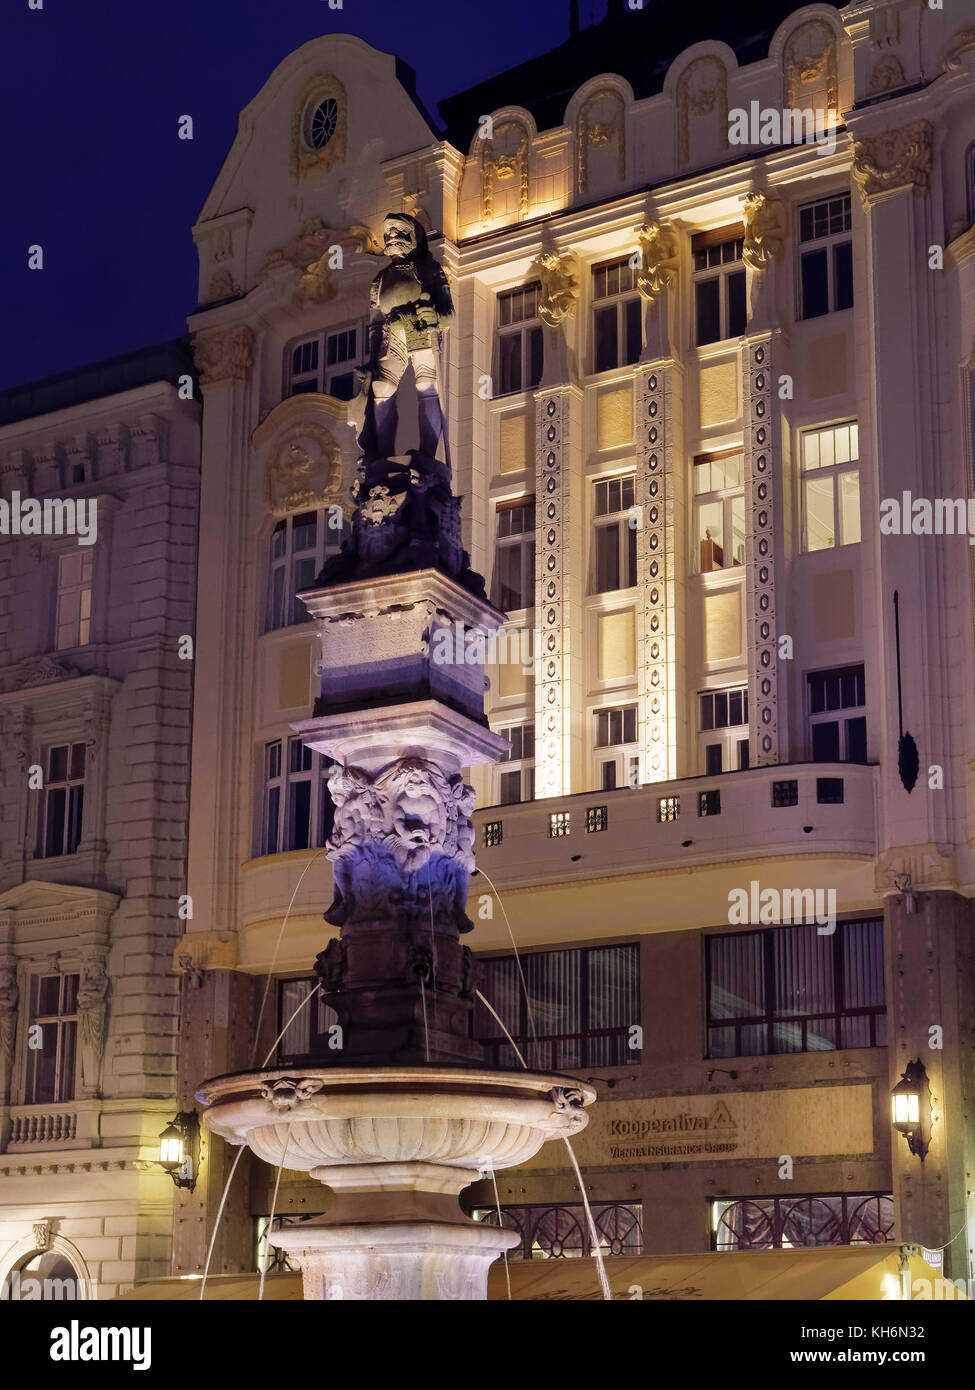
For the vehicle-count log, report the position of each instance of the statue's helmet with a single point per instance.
(399, 223)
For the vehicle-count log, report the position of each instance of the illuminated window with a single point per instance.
(719, 509)
(668, 809)
(325, 363)
(617, 316)
(493, 833)
(74, 598)
(719, 284)
(559, 824)
(830, 462)
(795, 1223)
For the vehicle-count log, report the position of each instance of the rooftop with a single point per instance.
(160, 362)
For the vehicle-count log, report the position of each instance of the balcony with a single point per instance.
(45, 1128)
(767, 812)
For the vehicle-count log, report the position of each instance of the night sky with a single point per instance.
(93, 171)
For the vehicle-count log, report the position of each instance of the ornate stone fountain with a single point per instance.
(409, 1116)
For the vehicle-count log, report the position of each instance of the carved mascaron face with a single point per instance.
(399, 238)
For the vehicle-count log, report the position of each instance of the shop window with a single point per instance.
(792, 989)
(561, 1231)
(795, 1223)
(576, 1007)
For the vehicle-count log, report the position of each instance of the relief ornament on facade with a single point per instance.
(661, 259)
(897, 159)
(560, 286)
(765, 228)
(226, 355)
(92, 1009)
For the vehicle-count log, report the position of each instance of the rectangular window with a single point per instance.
(838, 715)
(306, 1036)
(516, 768)
(719, 509)
(63, 803)
(615, 726)
(493, 833)
(297, 809)
(614, 538)
(325, 363)
(299, 546)
(790, 989)
(825, 257)
(559, 825)
(581, 1004)
(74, 598)
(51, 1055)
(617, 316)
(830, 463)
(519, 341)
(795, 1222)
(724, 709)
(561, 1230)
(719, 284)
(668, 809)
(513, 586)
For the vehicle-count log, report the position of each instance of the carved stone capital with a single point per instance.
(226, 355)
(897, 159)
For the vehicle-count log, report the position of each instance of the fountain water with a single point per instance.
(410, 1115)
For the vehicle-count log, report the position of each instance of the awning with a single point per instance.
(860, 1273)
(856, 1273)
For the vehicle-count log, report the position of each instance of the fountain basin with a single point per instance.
(397, 1145)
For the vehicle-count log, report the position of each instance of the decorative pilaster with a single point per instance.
(9, 994)
(558, 580)
(761, 454)
(660, 502)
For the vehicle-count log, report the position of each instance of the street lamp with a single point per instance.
(178, 1149)
(910, 1108)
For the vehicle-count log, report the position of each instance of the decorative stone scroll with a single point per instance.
(309, 254)
(897, 159)
(401, 844)
(304, 471)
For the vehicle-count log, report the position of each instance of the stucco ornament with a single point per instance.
(8, 1027)
(304, 471)
(401, 841)
(661, 260)
(311, 253)
(226, 355)
(92, 1008)
(897, 159)
(765, 228)
(560, 286)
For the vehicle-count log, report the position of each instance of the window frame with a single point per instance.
(320, 807)
(627, 553)
(622, 755)
(619, 299)
(770, 1018)
(524, 541)
(705, 243)
(285, 604)
(528, 328)
(516, 762)
(78, 592)
(726, 497)
(827, 242)
(60, 1020)
(832, 473)
(74, 806)
(322, 376)
(842, 715)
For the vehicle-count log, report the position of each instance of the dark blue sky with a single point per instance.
(93, 171)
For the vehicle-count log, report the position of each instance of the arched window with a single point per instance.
(299, 547)
(45, 1275)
